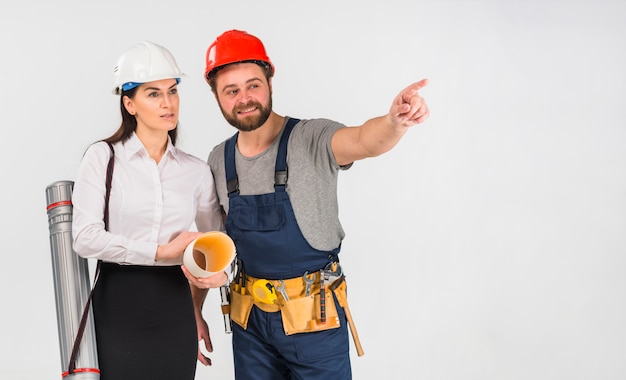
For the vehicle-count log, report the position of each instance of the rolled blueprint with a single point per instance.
(212, 252)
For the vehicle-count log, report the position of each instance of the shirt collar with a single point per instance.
(134, 147)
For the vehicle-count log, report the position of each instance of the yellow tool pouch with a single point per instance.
(341, 294)
(240, 306)
(302, 314)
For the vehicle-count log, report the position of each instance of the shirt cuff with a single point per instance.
(142, 253)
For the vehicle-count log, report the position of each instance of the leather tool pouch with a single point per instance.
(342, 294)
(301, 315)
(240, 306)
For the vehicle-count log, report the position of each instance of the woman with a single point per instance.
(147, 311)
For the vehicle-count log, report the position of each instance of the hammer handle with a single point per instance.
(355, 334)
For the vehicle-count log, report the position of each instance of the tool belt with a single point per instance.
(300, 312)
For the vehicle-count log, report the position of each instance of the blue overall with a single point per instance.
(271, 246)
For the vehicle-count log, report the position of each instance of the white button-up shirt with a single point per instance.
(150, 204)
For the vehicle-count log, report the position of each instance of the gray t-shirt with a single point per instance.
(311, 184)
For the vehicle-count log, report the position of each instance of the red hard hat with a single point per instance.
(234, 46)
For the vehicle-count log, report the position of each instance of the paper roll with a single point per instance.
(210, 253)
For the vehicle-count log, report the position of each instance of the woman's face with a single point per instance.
(155, 105)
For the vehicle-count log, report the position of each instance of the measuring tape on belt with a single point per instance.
(263, 291)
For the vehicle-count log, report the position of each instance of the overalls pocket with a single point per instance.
(258, 218)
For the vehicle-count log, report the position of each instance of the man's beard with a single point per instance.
(248, 123)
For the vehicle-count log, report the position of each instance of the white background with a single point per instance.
(489, 244)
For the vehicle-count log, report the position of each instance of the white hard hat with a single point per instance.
(141, 63)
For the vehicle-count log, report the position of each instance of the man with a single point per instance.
(277, 184)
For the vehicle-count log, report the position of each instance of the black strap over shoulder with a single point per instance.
(280, 174)
(83, 319)
(109, 179)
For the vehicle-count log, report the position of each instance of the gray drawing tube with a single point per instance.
(71, 285)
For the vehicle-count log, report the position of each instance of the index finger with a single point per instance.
(418, 85)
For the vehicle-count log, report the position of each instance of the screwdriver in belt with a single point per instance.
(322, 296)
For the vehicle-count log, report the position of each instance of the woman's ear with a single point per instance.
(129, 105)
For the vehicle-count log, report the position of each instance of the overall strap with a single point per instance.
(280, 175)
(232, 183)
(280, 171)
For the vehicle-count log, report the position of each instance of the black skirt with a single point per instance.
(145, 324)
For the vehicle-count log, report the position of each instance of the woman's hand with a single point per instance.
(177, 246)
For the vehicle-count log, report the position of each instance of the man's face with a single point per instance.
(244, 96)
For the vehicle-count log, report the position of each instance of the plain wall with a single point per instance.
(489, 244)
